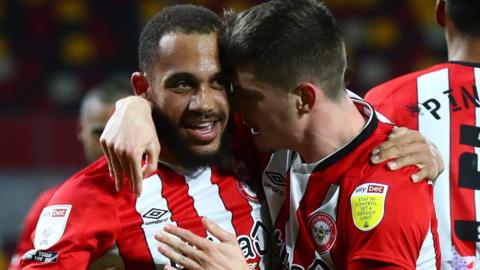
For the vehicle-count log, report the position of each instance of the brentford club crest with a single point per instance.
(323, 230)
(247, 192)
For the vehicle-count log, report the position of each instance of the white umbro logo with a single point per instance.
(154, 213)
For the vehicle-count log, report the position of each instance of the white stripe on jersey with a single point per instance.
(209, 202)
(298, 185)
(262, 236)
(426, 258)
(430, 86)
(274, 182)
(150, 198)
(477, 151)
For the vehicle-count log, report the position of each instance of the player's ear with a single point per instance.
(140, 83)
(307, 96)
(440, 12)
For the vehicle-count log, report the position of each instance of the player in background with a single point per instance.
(291, 100)
(442, 102)
(196, 177)
(96, 107)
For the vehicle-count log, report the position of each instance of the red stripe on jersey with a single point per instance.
(462, 200)
(180, 204)
(315, 193)
(133, 241)
(234, 202)
(436, 240)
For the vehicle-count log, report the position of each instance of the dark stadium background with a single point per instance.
(52, 51)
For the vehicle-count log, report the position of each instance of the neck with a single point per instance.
(329, 128)
(463, 47)
(168, 157)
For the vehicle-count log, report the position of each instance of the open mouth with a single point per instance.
(203, 131)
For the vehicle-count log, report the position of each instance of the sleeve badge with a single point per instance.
(368, 205)
(51, 226)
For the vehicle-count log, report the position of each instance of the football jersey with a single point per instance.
(25, 242)
(442, 103)
(86, 217)
(343, 211)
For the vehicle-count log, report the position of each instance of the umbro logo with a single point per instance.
(276, 178)
(154, 213)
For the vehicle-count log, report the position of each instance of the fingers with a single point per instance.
(406, 147)
(409, 154)
(218, 232)
(420, 176)
(103, 144)
(396, 137)
(177, 257)
(189, 237)
(178, 250)
(151, 159)
(136, 176)
(117, 169)
(401, 142)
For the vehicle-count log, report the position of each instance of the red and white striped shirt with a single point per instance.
(86, 217)
(442, 102)
(343, 211)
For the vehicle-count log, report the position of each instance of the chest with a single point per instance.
(170, 198)
(308, 212)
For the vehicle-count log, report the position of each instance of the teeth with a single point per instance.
(205, 125)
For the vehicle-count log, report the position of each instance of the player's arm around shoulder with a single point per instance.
(77, 226)
(392, 222)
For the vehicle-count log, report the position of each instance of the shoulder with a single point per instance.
(404, 82)
(86, 202)
(390, 197)
(397, 181)
(388, 217)
(94, 178)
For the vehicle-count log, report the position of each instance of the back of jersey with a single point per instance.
(442, 102)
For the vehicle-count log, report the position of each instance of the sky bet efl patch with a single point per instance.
(368, 205)
(51, 225)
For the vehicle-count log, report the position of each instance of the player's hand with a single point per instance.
(408, 147)
(201, 253)
(128, 135)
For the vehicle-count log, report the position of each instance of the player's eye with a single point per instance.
(184, 85)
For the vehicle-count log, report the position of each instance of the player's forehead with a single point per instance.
(188, 53)
(246, 80)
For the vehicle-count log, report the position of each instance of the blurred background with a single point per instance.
(53, 51)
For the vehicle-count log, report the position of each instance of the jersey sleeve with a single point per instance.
(25, 242)
(391, 222)
(78, 225)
